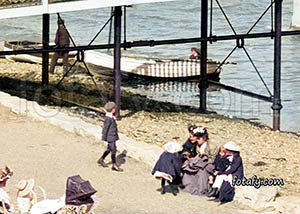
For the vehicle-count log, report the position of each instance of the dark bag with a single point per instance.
(79, 191)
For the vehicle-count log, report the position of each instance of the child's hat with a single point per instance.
(24, 187)
(232, 146)
(172, 147)
(109, 106)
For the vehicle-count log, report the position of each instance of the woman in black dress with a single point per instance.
(189, 147)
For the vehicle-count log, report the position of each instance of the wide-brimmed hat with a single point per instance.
(24, 187)
(109, 106)
(172, 147)
(5, 173)
(232, 146)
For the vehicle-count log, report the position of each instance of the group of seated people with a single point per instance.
(27, 199)
(194, 169)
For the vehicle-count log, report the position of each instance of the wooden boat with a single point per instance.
(150, 68)
(31, 58)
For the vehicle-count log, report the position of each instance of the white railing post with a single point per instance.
(296, 14)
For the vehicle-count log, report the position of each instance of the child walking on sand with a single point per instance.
(110, 135)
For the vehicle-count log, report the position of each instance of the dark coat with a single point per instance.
(227, 192)
(190, 148)
(169, 163)
(221, 163)
(110, 130)
(236, 167)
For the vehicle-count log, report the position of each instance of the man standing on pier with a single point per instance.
(61, 40)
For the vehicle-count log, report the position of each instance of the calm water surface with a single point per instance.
(180, 19)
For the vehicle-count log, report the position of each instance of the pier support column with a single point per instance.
(203, 80)
(277, 65)
(45, 56)
(296, 14)
(117, 59)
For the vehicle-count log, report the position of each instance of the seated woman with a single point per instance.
(189, 147)
(26, 197)
(168, 166)
(223, 189)
(196, 170)
(5, 174)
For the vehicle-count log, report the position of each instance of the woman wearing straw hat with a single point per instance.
(26, 197)
(223, 189)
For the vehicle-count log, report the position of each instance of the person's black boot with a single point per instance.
(163, 190)
(102, 163)
(163, 186)
(213, 193)
(174, 189)
(115, 167)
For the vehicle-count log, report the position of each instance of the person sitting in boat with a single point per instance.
(195, 53)
(5, 204)
(189, 147)
(168, 167)
(62, 40)
(223, 189)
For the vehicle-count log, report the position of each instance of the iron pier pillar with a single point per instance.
(203, 81)
(117, 59)
(277, 66)
(45, 55)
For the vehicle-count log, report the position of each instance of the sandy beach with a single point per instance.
(50, 155)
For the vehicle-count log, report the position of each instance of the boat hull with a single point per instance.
(168, 69)
(31, 58)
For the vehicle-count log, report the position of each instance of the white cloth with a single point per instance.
(202, 148)
(4, 196)
(23, 204)
(219, 180)
(108, 114)
(48, 205)
(166, 176)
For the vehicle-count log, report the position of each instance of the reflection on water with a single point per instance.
(172, 20)
(6, 4)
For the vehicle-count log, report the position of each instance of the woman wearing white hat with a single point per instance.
(223, 189)
(26, 197)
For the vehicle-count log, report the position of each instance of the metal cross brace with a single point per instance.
(240, 42)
